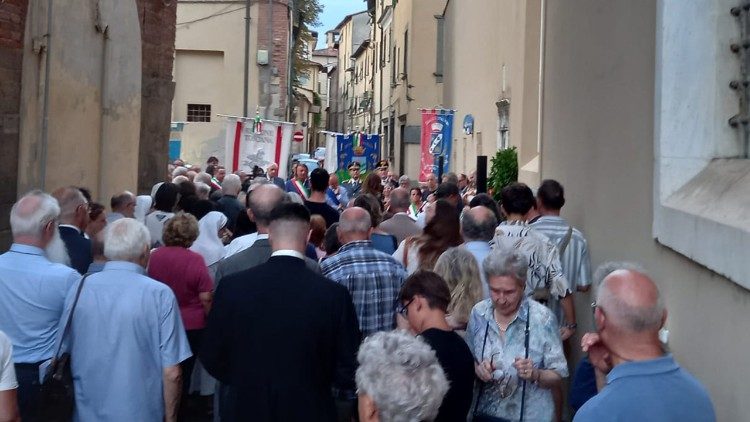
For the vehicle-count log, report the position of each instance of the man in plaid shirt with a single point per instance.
(373, 278)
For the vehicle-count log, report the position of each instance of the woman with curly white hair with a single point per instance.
(399, 379)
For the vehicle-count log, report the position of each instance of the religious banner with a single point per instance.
(359, 147)
(436, 141)
(257, 142)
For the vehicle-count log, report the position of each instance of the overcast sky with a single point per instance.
(333, 12)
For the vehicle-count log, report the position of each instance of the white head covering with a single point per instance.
(155, 188)
(142, 207)
(208, 244)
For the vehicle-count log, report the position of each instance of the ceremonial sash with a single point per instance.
(301, 189)
(332, 196)
(413, 211)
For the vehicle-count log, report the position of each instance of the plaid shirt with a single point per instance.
(374, 280)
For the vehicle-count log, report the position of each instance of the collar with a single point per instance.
(513, 223)
(262, 236)
(74, 227)
(288, 252)
(555, 218)
(124, 266)
(659, 365)
(400, 213)
(27, 249)
(356, 244)
(477, 244)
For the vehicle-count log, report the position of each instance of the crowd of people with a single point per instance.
(376, 298)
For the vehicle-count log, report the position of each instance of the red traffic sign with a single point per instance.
(298, 136)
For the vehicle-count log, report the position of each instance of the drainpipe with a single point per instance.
(247, 57)
(105, 113)
(45, 107)
(540, 86)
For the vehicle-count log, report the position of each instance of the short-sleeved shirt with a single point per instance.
(458, 364)
(651, 390)
(185, 272)
(126, 329)
(545, 350)
(575, 261)
(32, 295)
(373, 279)
(7, 370)
(324, 210)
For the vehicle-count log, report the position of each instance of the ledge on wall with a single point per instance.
(708, 219)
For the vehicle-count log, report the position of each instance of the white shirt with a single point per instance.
(241, 243)
(7, 370)
(288, 252)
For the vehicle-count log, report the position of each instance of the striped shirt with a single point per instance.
(575, 259)
(373, 279)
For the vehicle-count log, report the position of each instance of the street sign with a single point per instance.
(298, 136)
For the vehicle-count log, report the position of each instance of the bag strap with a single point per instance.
(482, 385)
(70, 316)
(566, 240)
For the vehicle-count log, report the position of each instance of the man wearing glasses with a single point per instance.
(123, 206)
(74, 217)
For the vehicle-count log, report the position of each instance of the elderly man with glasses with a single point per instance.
(74, 218)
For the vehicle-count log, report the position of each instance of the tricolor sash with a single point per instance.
(301, 189)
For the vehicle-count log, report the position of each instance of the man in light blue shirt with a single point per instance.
(127, 338)
(478, 227)
(643, 382)
(33, 290)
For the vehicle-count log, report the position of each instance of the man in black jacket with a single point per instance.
(74, 217)
(279, 335)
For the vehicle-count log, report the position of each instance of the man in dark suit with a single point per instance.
(282, 337)
(74, 217)
(261, 201)
(400, 225)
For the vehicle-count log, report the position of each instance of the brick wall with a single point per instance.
(157, 89)
(273, 80)
(12, 22)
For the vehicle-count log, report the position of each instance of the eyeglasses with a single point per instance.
(404, 309)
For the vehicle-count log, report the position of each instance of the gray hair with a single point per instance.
(349, 223)
(231, 184)
(400, 199)
(202, 177)
(180, 180)
(125, 240)
(631, 318)
(69, 199)
(404, 179)
(402, 375)
(476, 229)
(202, 189)
(179, 171)
(506, 263)
(32, 212)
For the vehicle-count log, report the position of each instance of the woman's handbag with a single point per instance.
(56, 395)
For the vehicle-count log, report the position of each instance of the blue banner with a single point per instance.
(362, 148)
(437, 140)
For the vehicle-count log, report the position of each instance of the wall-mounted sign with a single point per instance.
(468, 124)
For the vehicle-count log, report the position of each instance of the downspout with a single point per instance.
(540, 86)
(247, 57)
(45, 107)
(105, 113)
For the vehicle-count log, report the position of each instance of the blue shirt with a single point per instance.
(373, 279)
(545, 350)
(480, 249)
(126, 329)
(32, 294)
(652, 390)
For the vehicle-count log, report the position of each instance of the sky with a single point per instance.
(333, 12)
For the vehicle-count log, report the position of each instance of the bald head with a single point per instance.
(354, 224)
(478, 224)
(399, 200)
(631, 302)
(262, 201)
(72, 206)
(31, 216)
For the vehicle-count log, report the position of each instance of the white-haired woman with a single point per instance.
(399, 379)
(516, 344)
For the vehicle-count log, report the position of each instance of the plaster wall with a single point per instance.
(475, 80)
(599, 143)
(94, 98)
(209, 69)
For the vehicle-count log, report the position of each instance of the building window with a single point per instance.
(199, 112)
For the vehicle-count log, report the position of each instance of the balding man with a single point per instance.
(255, 249)
(400, 225)
(643, 382)
(477, 228)
(372, 277)
(123, 206)
(33, 291)
(281, 336)
(74, 217)
(273, 176)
